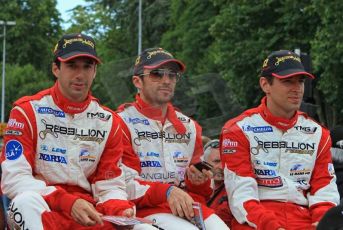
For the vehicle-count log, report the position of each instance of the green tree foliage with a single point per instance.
(32, 39)
(327, 57)
(21, 81)
(190, 39)
(115, 26)
(188, 36)
(223, 44)
(29, 46)
(247, 31)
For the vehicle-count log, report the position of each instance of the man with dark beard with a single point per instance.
(165, 142)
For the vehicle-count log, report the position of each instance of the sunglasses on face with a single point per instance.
(212, 145)
(158, 74)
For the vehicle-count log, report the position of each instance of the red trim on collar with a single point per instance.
(66, 105)
(155, 113)
(281, 123)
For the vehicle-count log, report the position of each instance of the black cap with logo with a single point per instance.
(153, 58)
(75, 45)
(283, 64)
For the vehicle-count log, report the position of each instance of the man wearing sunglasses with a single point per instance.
(165, 142)
(277, 162)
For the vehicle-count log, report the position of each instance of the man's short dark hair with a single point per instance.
(269, 78)
(58, 63)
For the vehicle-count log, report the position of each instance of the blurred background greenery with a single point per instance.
(222, 42)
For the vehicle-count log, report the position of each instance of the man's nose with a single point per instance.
(166, 78)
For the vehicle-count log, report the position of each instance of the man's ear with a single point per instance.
(54, 69)
(137, 82)
(95, 68)
(264, 84)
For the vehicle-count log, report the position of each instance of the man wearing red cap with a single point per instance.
(61, 157)
(277, 163)
(165, 142)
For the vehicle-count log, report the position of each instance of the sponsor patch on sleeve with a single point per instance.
(13, 150)
(229, 146)
(13, 132)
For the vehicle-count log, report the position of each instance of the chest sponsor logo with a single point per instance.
(272, 182)
(299, 169)
(13, 123)
(257, 129)
(265, 172)
(179, 158)
(266, 163)
(10, 132)
(13, 149)
(184, 120)
(158, 176)
(46, 148)
(290, 147)
(100, 116)
(151, 164)
(148, 154)
(85, 155)
(79, 134)
(52, 158)
(137, 120)
(48, 110)
(306, 130)
(166, 137)
(302, 182)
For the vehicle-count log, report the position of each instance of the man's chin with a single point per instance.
(164, 99)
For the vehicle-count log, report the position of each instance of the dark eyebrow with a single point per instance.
(70, 62)
(90, 61)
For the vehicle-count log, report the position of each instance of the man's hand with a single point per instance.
(128, 212)
(196, 177)
(180, 203)
(85, 214)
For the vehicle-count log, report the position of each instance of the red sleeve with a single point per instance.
(114, 207)
(198, 148)
(130, 158)
(108, 167)
(155, 195)
(108, 181)
(240, 180)
(323, 191)
(224, 213)
(205, 189)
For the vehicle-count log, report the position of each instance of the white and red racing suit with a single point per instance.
(55, 152)
(162, 149)
(278, 172)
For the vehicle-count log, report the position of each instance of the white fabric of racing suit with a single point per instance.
(277, 161)
(162, 149)
(55, 152)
